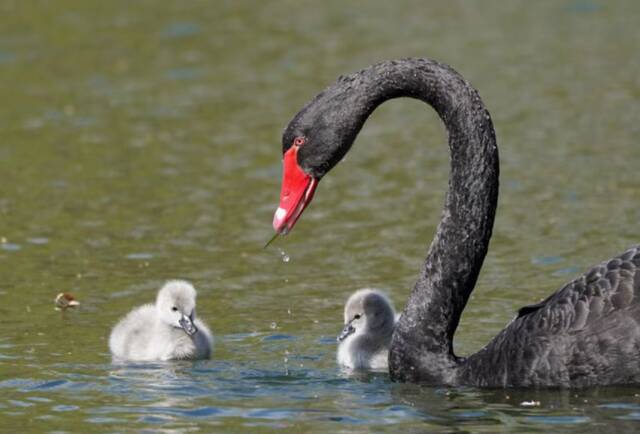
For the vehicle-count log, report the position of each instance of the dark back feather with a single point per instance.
(587, 333)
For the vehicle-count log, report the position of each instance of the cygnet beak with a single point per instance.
(187, 325)
(346, 331)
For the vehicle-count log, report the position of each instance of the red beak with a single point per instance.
(297, 191)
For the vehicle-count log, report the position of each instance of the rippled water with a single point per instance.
(140, 141)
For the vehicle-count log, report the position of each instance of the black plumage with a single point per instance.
(587, 333)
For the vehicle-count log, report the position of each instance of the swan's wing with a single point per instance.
(588, 332)
(611, 286)
(132, 335)
(203, 340)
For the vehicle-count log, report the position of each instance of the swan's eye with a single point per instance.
(357, 316)
(175, 309)
(299, 141)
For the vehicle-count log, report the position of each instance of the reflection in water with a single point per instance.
(167, 389)
(185, 393)
(453, 407)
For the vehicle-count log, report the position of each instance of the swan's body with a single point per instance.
(167, 330)
(587, 333)
(369, 320)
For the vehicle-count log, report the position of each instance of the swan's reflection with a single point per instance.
(524, 407)
(163, 390)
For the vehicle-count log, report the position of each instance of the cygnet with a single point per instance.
(369, 320)
(167, 330)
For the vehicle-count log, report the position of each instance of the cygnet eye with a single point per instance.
(175, 309)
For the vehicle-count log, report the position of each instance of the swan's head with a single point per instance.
(368, 312)
(315, 140)
(176, 305)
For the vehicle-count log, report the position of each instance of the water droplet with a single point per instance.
(284, 256)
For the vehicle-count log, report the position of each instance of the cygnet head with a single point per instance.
(176, 305)
(368, 312)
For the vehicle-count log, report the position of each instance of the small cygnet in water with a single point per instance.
(167, 330)
(369, 320)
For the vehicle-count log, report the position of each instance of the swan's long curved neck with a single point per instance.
(422, 349)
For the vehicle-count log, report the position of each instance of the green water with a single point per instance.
(140, 141)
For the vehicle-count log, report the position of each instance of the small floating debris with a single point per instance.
(530, 404)
(64, 300)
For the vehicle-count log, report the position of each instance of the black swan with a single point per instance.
(585, 334)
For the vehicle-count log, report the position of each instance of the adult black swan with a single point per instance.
(585, 334)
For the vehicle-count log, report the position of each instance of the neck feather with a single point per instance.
(422, 343)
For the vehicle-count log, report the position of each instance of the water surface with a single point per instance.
(141, 141)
